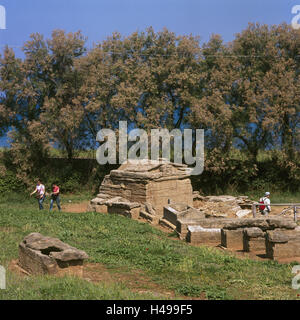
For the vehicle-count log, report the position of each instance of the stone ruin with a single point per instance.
(161, 193)
(223, 206)
(45, 255)
(145, 186)
(142, 188)
(275, 238)
(283, 245)
(245, 234)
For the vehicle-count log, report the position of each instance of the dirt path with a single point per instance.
(75, 207)
(134, 280)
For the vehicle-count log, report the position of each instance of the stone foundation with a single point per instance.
(233, 233)
(127, 209)
(175, 211)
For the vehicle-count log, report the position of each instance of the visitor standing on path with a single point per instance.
(55, 197)
(265, 208)
(41, 195)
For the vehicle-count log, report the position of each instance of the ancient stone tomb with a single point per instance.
(143, 182)
(45, 255)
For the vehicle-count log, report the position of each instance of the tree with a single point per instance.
(62, 114)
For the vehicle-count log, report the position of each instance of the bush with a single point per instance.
(10, 183)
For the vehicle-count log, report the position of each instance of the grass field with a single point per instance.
(151, 264)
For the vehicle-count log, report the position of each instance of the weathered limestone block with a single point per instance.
(182, 224)
(283, 244)
(91, 208)
(200, 235)
(283, 223)
(148, 213)
(97, 201)
(45, 255)
(128, 209)
(248, 223)
(243, 213)
(232, 239)
(254, 240)
(102, 208)
(150, 209)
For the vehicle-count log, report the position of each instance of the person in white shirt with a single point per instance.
(265, 208)
(41, 194)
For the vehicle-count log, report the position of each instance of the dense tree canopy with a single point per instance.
(245, 94)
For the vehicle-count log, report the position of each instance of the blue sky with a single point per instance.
(97, 19)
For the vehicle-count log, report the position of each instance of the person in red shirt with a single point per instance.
(55, 197)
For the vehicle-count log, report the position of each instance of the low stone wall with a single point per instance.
(253, 229)
(183, 224)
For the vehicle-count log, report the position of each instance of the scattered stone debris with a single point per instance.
(223, 206)
(45, 255)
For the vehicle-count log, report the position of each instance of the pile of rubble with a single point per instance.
(223, 206)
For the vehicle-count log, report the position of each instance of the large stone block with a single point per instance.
(281, 244)
(232, 239)
(127, 209)
(200, 235)
(254, 240)
(182, 224)
(102, 208)
(45, 255)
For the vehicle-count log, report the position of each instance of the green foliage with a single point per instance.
(189, 290)
(10, 183)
